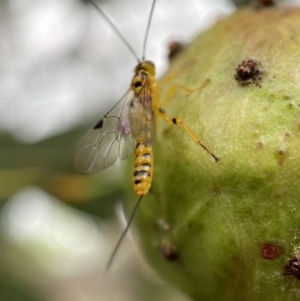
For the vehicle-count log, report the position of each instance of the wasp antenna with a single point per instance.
(113, 254)
(115, 28)
(147, 30)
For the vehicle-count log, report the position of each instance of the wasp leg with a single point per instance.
(188, 90)
(171, 77)
(187, 68)
(178, 120)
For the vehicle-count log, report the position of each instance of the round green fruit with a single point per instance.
(231, 230)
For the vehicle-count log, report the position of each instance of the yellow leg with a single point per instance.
(187, 68)
(171, 76)
(175, 87)
(178, 120)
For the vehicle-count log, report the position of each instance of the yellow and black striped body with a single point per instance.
(141, 117)
(143, 170)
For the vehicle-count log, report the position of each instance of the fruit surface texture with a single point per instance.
(231, 230)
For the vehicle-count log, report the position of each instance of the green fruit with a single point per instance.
(227, 230)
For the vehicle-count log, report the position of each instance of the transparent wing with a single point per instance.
(109, 139)
(141, 116)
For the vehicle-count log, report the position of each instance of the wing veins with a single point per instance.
(109, 139)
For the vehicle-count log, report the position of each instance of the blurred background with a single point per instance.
(62, 67)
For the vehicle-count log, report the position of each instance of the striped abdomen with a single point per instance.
(142, 175)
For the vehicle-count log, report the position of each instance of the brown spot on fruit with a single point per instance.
(292, 267)
(249, 71)
(169, 252)
(264, 3)
(260, 145)
(174, 48)
(270, 251)
(281, 155)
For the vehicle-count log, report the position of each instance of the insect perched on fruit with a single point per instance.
(129, 125)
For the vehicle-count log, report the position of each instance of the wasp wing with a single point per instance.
(109, 139)
(141, 116)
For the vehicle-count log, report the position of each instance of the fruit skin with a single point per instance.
(205, 226)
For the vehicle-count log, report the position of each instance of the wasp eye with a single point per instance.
(137, 84)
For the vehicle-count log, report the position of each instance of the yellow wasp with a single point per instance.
(128, 126)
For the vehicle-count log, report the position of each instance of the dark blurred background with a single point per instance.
(62, 67)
